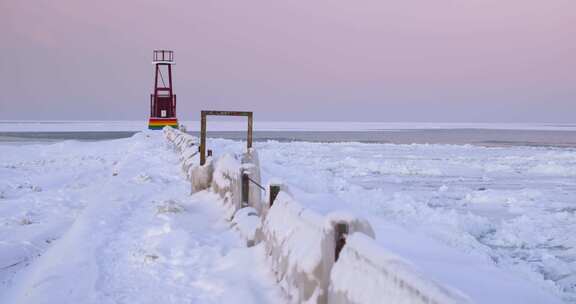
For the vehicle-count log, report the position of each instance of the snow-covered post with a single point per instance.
(202, 138)
(340, 233)
(274, 190)
(245, 188)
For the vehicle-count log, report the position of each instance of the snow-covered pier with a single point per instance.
(115, 222)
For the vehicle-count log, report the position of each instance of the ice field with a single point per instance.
(513, 207)
(118, 215)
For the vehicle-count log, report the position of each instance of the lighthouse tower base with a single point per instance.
(156, 123)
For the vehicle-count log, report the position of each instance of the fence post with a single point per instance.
(274, 190)
(249, 135)
(340, 232)
(202, 138)
(245, 188)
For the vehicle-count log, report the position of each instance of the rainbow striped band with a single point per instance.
(160, 123)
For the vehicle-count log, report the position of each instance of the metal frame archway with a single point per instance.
(204, 114)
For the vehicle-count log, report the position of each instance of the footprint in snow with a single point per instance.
(142, 178)
(169, 206)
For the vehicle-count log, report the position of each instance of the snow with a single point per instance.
(300, 244)
(496, 223)
(247, 222)
(367, 273)
(251, 166)
(219, 125)
(114, 222)
(226, 167)
(300, 250)
(226, 182)
(202, 175)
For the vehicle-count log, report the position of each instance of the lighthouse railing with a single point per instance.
(163, 56)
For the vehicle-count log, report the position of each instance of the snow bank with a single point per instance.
(201, 175)
(227, 183)
(366, 273)
(247, 222)
(184, 144)
(301, 246)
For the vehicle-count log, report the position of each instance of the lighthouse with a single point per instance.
(163, 100)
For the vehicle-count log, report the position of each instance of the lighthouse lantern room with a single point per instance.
(163, 100)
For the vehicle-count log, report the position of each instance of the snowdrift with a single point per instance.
(226, 182)
(366, 273)
(301, 247)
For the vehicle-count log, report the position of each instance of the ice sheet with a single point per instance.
(510, 207)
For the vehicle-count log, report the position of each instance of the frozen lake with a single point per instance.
(513, 206)
(484, 137)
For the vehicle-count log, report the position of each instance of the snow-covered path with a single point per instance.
(124, 229)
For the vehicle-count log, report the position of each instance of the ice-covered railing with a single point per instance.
(333, 258)
(301, 246)
(223, 176)
(367, 273)
(186, 146)
(315, 258)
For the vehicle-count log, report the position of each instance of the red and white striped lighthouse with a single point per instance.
(163, 100)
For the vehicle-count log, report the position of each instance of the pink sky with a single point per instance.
(411, 60)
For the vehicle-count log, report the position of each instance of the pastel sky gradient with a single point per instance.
(395, 60)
